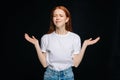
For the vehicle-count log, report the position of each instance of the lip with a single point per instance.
(57, 21)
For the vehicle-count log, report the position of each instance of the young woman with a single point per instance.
(60, 48)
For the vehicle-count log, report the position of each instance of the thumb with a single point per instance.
(33, 37)
(90, 38)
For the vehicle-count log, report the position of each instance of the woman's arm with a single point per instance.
(35, 42)
(78, 57)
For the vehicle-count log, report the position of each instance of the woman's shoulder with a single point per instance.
(46, 35)
(74, 34)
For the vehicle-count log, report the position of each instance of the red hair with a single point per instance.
(68, 24)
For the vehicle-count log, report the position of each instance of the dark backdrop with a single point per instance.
(90, 18)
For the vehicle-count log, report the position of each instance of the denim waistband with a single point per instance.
(62, 71)
(51, 74)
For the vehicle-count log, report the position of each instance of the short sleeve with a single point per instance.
(76, 44)
(44, 42)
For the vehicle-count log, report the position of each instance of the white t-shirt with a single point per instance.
(59, 49)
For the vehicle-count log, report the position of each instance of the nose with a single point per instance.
(57, 17)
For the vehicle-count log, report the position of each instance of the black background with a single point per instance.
(90, 18)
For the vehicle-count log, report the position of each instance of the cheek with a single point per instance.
(53, 20)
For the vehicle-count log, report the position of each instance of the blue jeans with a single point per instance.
(51, 74)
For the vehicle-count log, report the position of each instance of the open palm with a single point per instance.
(32, 39)
(90, 41)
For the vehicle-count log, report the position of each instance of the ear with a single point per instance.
(67, 19)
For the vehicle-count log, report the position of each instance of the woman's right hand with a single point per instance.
(32, 39)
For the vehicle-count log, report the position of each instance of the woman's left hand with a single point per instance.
(90, 41)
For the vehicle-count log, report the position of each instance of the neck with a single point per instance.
(61, 31)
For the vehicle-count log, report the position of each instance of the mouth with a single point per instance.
(58, 21)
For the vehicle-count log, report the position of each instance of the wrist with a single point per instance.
(36, 44)
(85, 45)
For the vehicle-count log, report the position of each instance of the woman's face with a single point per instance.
(59, 18)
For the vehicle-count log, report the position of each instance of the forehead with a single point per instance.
(59, 11)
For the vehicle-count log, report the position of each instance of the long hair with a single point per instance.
(68, 26)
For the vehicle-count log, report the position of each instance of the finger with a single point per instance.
(33, 37)
(90, 38)
(26, 35)
(97, 38)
